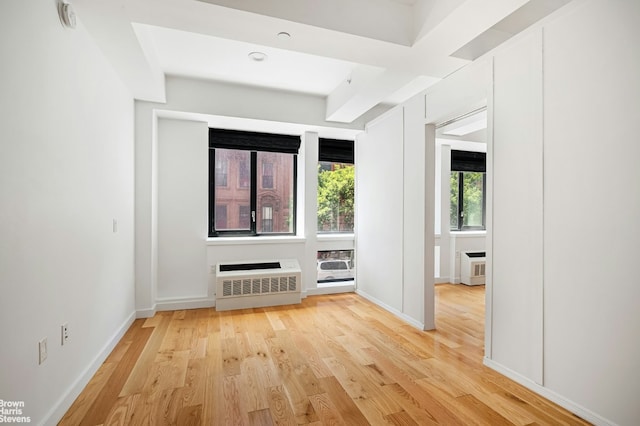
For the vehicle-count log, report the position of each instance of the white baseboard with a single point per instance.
(441, 280)
(146, 313)
(62, 405)
(575, 408)
(179, 304)
(402, 316)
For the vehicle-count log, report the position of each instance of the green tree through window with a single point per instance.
(467, 200)
(335, 197)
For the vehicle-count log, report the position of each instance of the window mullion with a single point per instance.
(212, 191)
(484, 200)
(254, 191)
(460, 201)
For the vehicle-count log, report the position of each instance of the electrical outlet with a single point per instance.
(42, 350)
(64, 333)
(212, 270)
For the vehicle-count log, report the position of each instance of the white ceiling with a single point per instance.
(355, 53)
(197, 55)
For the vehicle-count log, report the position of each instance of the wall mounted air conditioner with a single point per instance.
(253, 284)
(472, 267)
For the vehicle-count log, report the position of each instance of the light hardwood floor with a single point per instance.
(335, 359)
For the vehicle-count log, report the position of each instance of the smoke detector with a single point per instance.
(67, 14)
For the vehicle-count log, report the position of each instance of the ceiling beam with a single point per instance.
(364, 89)
(115, 35)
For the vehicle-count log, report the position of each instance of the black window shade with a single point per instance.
(253, 141)
(336, 151)
(467, 161)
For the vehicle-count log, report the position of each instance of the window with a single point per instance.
(221, 216)
(244, 172)
(335, 265)
(244, 218)
(468, 190)
(221, 171)
(252, 209)
(267, 175)
(336, 185)
(267, 219)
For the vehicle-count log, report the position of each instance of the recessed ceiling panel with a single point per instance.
(201, 56)
(385, 20)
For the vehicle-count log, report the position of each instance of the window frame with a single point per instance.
(461, 226)
(252, 142)
(335, 151)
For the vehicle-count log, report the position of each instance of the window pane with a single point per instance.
(275, 202)
(335, 197)
(267, 175)
(244, 220)
(335, 265)
(453, 210)
(244, 173)
(472, 198)
(221, 170)
(267, 218)
(221, 216)
(235, 200)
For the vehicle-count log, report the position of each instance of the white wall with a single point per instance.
(516, 153)
(183, 191)
(395, 214)
(66, 172)
(379, 227)
(563, 317)
(418, 214)
(591, 208)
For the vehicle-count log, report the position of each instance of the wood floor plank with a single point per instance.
(482, 413)
(401, 418)
(327, 412)
(138, 377)
(88, 396)
(279, 406)
(335, 359)
(108, 396)
(260, 418)
(343, 403)
(411, 406)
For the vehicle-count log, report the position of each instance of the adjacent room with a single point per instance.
(337, 212)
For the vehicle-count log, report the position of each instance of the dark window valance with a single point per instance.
(336, 151)
(467, 161)
(253, 141)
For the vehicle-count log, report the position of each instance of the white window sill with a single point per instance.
(468, 234)
(236, 241)
(336, 237)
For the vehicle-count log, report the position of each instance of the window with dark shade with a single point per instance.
(468, 190)
(336, 186)
(257, 204)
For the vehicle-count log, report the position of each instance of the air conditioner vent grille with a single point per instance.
(255, 286)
